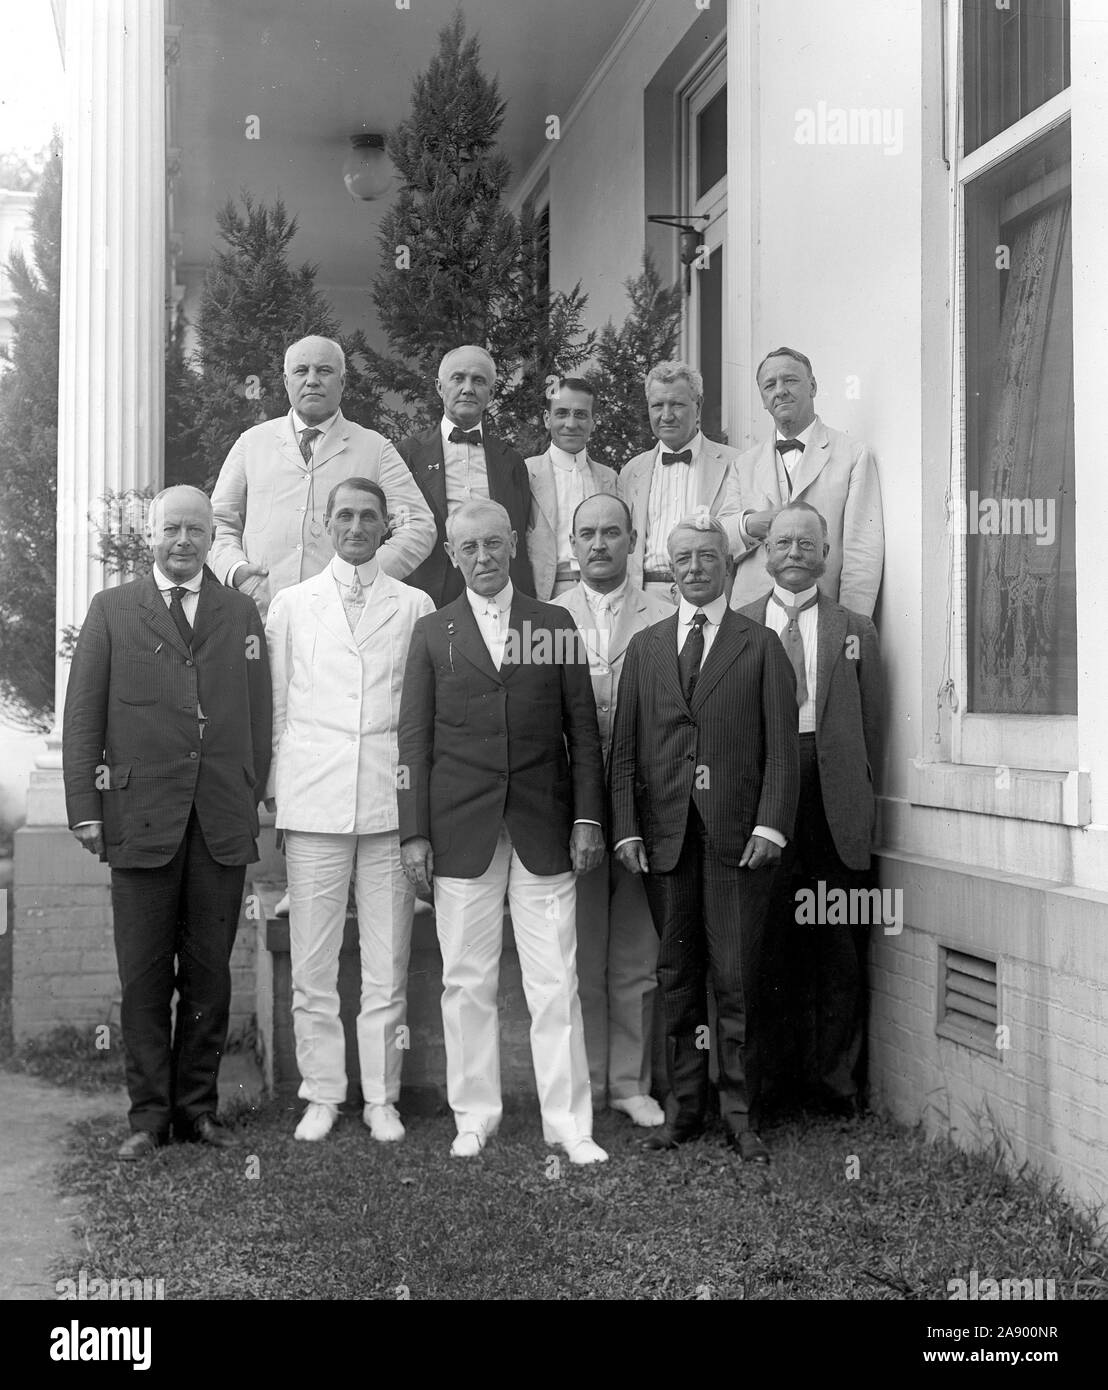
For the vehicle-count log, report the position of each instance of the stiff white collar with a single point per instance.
(164, 583)
(480, 603)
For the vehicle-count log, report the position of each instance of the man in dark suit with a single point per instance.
(460, 460)
(703, 776)
(501, 790)
(166, 748)
(814, 973)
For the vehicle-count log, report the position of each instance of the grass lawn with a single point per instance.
(352, 1219)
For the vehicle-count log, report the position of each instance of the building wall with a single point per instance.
(848, 252)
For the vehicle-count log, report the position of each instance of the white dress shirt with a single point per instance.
(467, 474)
(668, 502)
(493, 615)
(571, 479)
(190, 600)
(808, 622)
(787, 464)
(343, 574)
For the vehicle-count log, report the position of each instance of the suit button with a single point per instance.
(689, 757)
(604, 709)
(500, 776)
(193, 755)
(190, 663)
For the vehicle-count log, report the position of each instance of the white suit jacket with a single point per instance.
(542, 534)
(837, 476)
(263, 503)
(336, 703)
(637, 611)
(715, 486)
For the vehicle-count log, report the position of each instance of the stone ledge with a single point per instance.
(1054, 798)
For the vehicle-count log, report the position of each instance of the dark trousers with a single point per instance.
(814, 974)
(174, 930)
(710, 919)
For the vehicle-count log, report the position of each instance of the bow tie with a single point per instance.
(460, 436)
(785, 445)
(685, 456)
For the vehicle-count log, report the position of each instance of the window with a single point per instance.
(1013, 181)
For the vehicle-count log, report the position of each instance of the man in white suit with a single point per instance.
(805, 461)
(338, 643)
(269, 497)
(617, 946)
(684, 474)
(560, 480)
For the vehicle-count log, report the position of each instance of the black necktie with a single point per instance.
(685, 456)
(459, 436)
(793, 643)
(177, 613)
(785, 446)
(692, 653)
(307, 439)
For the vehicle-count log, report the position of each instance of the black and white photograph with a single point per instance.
(553, 739)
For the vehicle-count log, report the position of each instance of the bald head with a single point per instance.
(179, 531)
(602, 538)
(465, 384)
(315, 374)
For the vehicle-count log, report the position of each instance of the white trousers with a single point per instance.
(319, 876)
(470, 918)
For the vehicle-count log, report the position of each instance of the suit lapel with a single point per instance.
(327, 608)
(464, 637)
(730, 640)
(830, 637)
(625, 626)
(289, 443)
(429, 470)
(664, 636)
(380, 609)
(710, 471)
(545, 492)
(499, 470)
(332, 443)
(767, 479)
(210, 607)
(156, 613)
(815, 459)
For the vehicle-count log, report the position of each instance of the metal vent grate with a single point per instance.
(968, 999)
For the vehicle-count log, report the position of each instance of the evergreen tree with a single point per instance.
(650, 334)
(28, 480)
(456, 266)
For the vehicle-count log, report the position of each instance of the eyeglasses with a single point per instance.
(783, 546)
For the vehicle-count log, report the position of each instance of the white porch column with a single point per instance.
(741, 289)
(111, 378)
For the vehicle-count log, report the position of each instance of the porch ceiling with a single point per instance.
(315, 73)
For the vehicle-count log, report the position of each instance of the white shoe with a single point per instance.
(384, 1123)
(317, 1121)
(641, 1110)
(585, 1151)
(282, 908)
(468, 1144)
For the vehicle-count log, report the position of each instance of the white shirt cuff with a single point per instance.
(773, 836)
(630, 840)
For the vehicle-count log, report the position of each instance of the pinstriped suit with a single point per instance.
(693, 781)
(180, 817)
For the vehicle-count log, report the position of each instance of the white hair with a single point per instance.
(480, 506)
(666, 373)
(470, 347)
(159, 498)
(316, 338)
(701, 521)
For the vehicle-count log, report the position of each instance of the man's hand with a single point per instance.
(632, 857)
(759, 853)
(91, 836)
(758, 523)
(418, 862)
(245, 572)
(586, 847)
(270, 804)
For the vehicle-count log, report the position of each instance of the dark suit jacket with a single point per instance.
(509, 484)
(478, 746)
(733, 752)
(131, 751)
(849, 715)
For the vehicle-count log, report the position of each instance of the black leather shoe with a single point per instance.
(666, 1137)
(749, 1147)
(141, 1144)
(208, 1130)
